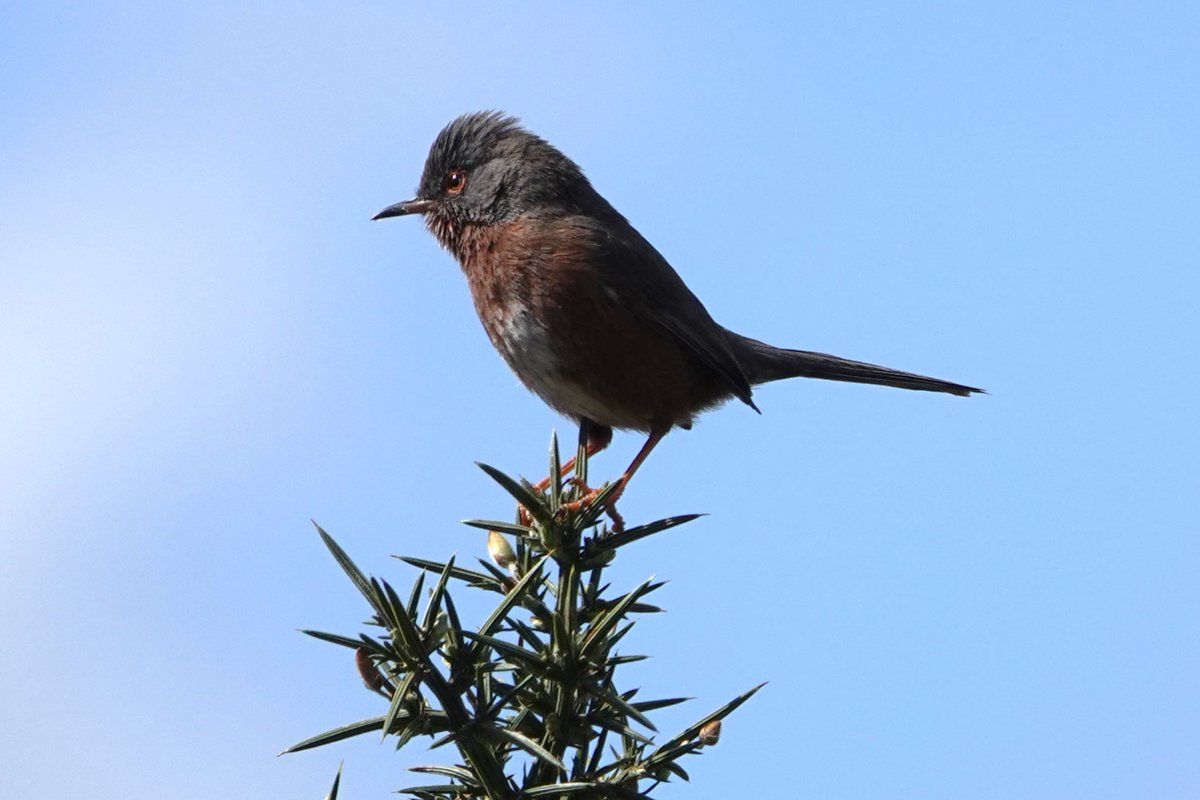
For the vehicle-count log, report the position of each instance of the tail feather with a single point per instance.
(763, 363)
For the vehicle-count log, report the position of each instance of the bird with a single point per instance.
(586, 312)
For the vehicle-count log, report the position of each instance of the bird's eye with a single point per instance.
(456, 181)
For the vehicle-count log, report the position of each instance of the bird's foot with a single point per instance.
(523, 516)
(587, 496)
(610, 505)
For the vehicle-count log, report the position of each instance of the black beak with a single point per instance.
(407, 207)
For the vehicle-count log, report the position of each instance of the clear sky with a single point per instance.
(204, 342)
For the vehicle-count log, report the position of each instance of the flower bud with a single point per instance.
(501, 551)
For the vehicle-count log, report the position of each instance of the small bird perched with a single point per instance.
(585, 311)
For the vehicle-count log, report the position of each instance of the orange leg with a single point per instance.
(598, 437)
(610, 503)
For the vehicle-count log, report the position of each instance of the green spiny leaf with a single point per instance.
(461, 774)
(414, 597)
(528, 745)
(685, 736)
(512, 598)
(470, 576)
(678, 770)
(502, 527)
(435, 598)
(605, 622)
(616, 725)
(496, 573)
(555, 473)
(337, 734)
(344, 641)
(452, 736)
(433, 790)
(597, 752)
(499, 705)
(519, 655)
(616, 637)
(618, 704)
(528, 634)
(572, 787)
(348, 566)
(522, 492)
(397, 704)
(410, 641)
(654, 705)
(614, 661)
(453, 627)
(615, 540)
(337, 781)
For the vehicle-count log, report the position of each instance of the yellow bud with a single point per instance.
(501, 551)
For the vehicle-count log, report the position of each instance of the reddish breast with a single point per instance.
(570, 337)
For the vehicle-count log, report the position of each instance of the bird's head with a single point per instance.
(485, 169)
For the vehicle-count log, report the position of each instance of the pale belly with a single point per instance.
(530, 351)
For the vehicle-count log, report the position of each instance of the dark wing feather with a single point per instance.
(652, 290)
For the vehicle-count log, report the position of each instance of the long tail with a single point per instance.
(763, 363)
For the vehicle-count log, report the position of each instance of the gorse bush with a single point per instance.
(532, 699)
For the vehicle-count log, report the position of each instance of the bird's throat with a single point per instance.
(465, 241)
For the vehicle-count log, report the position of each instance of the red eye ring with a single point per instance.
(456, 181)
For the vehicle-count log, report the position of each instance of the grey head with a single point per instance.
(485, 169)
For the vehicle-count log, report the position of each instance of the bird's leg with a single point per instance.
(597, 437)
(610, 502)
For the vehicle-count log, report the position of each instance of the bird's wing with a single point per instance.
(651, 289)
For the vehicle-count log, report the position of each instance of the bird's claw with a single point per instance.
(587, 498)
(610, 507)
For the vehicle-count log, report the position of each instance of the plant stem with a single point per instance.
(479, 756)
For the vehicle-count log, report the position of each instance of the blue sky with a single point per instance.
(205, 343)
